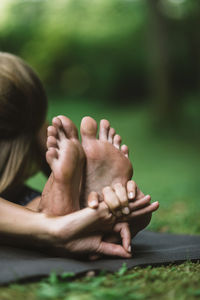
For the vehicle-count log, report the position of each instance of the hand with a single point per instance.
(109, 219)
(93, 246)
(116, 198)
(106, 221)
(82, 233)
(129, 201)
(140, 207)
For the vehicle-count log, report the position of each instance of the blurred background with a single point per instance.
(135, 62)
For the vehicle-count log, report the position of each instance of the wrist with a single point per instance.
(62, 229)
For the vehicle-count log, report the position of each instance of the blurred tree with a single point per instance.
(98, 48)
(160, 62)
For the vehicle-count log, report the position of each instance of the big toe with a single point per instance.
(88, 128)
(68, 127)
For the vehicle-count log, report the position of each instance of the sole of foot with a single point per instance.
(107, 161)
(66, 159)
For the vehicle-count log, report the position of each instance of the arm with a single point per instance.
(76, 233)
(20, 225)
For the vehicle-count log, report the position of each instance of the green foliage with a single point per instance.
(99, 48)
(122, 270)
(172, 282)
(76, 46)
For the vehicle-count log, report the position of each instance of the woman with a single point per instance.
(25, 218)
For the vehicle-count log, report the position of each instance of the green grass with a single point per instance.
(167, 167)
(172, 282)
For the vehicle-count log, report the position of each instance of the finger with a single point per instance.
(140, 203)
(111, 199)
(121, 193)
(125, 233)
(113, 250)
(131, 189)
(139, 193)
(148, 209)
(93, 200)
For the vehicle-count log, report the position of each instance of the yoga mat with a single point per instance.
(149, 248)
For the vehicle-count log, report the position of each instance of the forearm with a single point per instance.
(20, 225)
(17, 223)
(79, 224)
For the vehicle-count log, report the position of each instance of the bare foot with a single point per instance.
(106, 162)
(66, 158)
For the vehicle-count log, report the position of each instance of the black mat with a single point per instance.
(149, 248)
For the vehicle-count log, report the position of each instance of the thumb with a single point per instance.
(113, 250)
(93, 200)
(124, 230)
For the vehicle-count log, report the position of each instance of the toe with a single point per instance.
(51, 142)
(117, 141)
(68, 127)
(51, 131)
(111, 135)
(51, 154)
(59, 127)
(56, 122)
(88, 128)
(125, 150)
(104, 129)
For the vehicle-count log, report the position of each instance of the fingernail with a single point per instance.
(130, 195)
(129, 249)
(125, 210)
(93, 203)
(147, 197)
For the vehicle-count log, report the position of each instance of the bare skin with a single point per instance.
(60, 137)
(61, 195)
(93, 227)
(66, 158)
(140, 206)
(106, 163)
(59, 144)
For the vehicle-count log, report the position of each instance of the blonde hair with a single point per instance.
(23, 106)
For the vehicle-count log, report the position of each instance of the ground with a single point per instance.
(167, 167)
